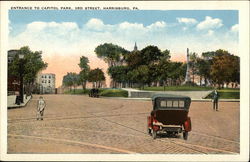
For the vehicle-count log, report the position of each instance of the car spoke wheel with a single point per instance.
(185, 135)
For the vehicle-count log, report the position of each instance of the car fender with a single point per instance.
(187, 125)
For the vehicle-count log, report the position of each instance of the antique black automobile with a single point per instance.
(169, 115)
(94, 92)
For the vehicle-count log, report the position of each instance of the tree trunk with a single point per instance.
(84, 85)
(200, 80)
(193, 77)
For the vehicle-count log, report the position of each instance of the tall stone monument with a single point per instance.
(187, 78)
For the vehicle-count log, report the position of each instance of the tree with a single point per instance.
(203, 69)
(154, 75)
(164, 71)
(225, 68)
(71, 79)
(151, 54)
(209, 55)
(84, 63)
(151, 57)
(236, 71)
(68, 81)
(193, 64)
(96, 76)
(83, 75)
(134, 59)
(166, 55)
(32, 63)
(140, 75)
(112, 54)
(177, 72)
(206, 65)
(118, 74)
(76, 80)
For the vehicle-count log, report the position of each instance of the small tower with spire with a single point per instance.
(135, 47)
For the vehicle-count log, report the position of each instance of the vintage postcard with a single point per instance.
(125, 80)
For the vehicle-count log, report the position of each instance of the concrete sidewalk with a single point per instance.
(194, 95)
(12, 99)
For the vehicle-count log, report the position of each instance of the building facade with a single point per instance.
(46, 83)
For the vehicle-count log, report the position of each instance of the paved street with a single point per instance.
(79, 124)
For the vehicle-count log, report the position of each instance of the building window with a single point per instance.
(49, 77)
(45, 76)
(49, 81)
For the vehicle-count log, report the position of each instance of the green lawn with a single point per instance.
(227, 93)
(178, 88)
(103, 92)
(77, 91)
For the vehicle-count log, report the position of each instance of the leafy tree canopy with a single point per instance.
(32, 63)
(96, 75)
(151, 54)
(110, 53)
(225, 67)
(84, 63)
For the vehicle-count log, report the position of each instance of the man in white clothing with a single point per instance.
(40, 108)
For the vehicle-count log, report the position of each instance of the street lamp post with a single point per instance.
(21, 56)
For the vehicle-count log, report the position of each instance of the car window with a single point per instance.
(163, 104)
(172, 103)
(175, 104)
(181, 103)
(169, 103)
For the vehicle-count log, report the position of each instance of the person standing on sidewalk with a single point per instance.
(40, 108)
(215, 100)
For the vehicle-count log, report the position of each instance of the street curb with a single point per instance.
(19, 106)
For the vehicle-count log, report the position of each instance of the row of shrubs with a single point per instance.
(106, 92)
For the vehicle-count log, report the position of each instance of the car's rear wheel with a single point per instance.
(185, 135)
(154, 135)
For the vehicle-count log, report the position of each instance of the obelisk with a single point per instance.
(187, 78)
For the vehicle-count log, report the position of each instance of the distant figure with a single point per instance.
(40, 108)
(215, 100)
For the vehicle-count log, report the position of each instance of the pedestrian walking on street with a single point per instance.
(40, 108)
(215, 100)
